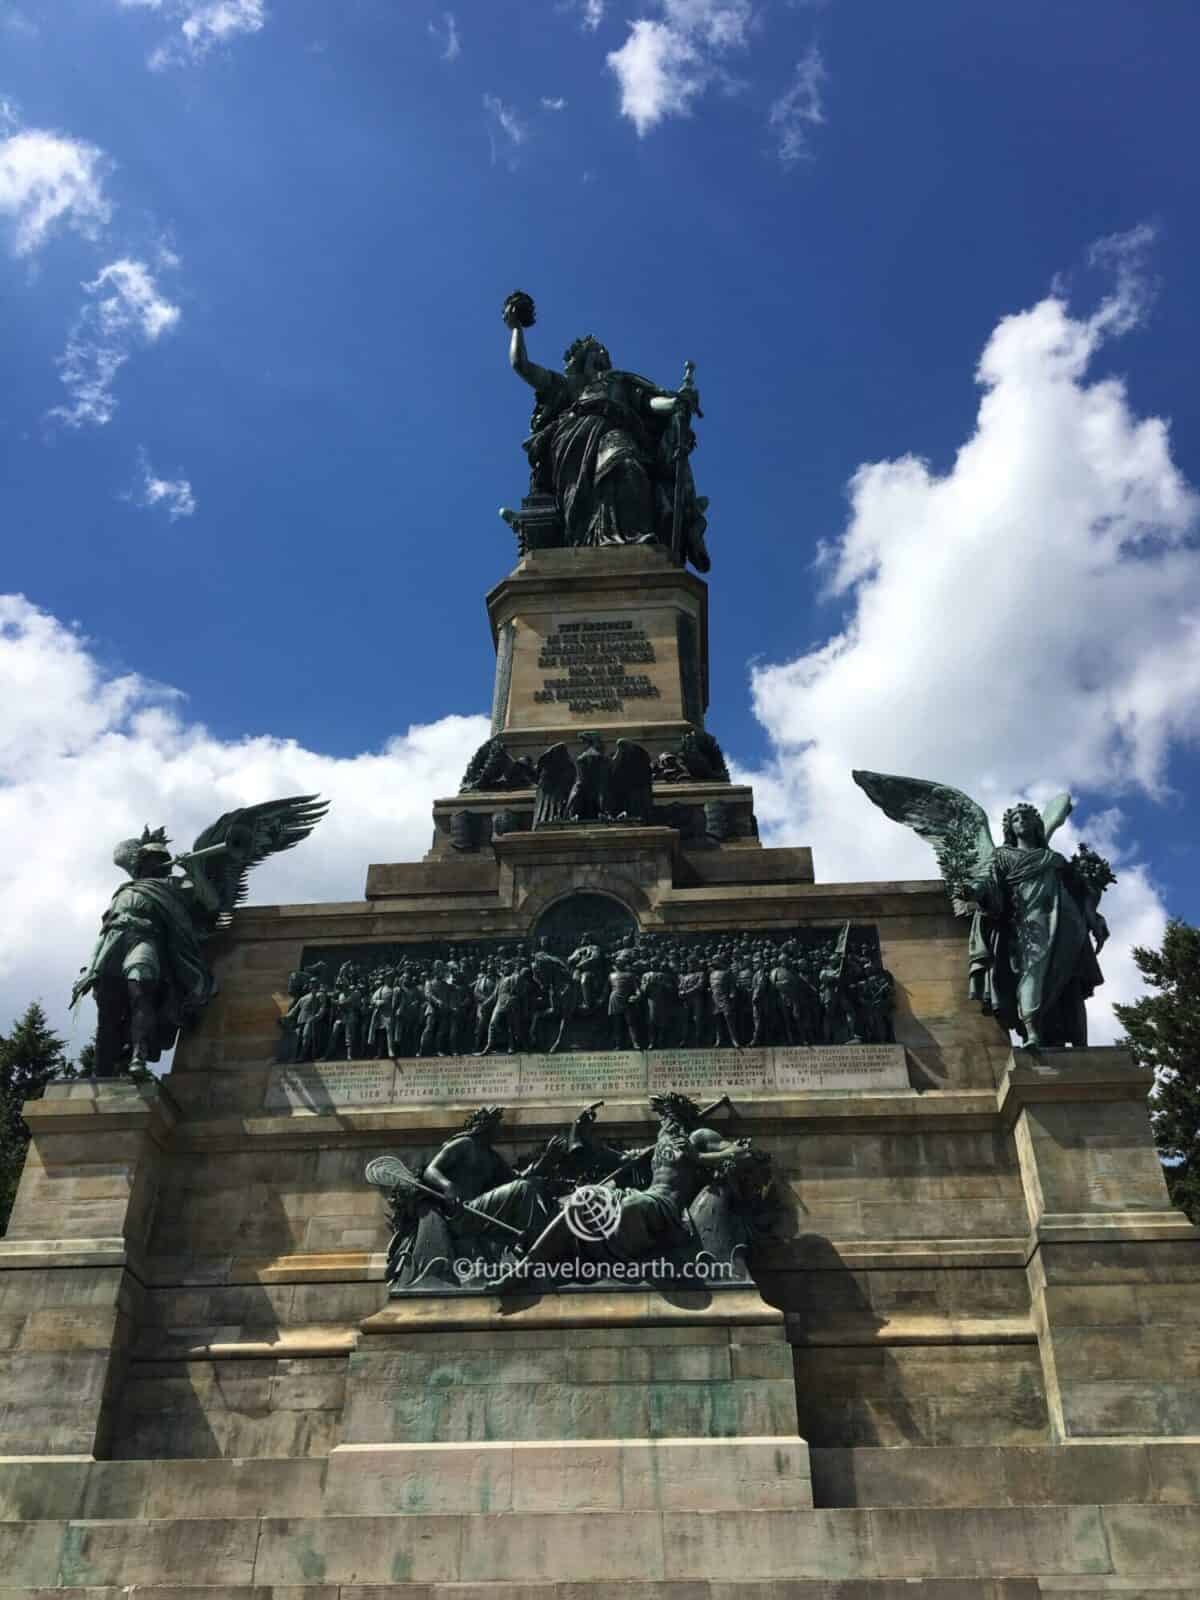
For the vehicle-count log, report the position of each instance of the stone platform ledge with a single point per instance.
(599, 839)
(1095, 1073)
(292, 1344)
(865, 1333)
(361, 1266)
(697, 790)
(196, 1272)
(1110, 1227)
(24, 1254)
(114, 1105)
(639, 1308)
(1080, 1472)
(895, 1111)
(567, 1475)
(1152, 1472)
(622, 1552)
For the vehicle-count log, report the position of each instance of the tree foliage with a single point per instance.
(1163, 1031)
(30, 1056)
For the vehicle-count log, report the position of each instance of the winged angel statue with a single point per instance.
(148, 972)
(1034, 914)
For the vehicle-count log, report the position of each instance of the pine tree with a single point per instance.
(1163, 1031)
(30, 1056)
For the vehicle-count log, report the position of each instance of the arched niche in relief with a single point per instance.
(566, 921)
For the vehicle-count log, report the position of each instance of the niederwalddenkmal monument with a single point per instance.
(602, 1205)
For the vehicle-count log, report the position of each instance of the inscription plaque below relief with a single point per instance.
(492, 1081)
(833, 1067)
(694, 1072)
(577, 1077)
(583, 1076)
(322, 1085)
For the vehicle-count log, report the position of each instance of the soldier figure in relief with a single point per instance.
(722, 985)
(624, 985)
(590, 967)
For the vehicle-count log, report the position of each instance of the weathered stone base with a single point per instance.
(972, 1274)
(580, 1367)
(665, 1522)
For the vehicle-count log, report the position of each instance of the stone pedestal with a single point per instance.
(71, 1263)
(576, 1366)
(610, 641)
(1114, 1271)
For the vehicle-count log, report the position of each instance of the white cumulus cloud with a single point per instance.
(799, 109)
(49, 180)
(125, 308)
(1027, 621)
(666, 62)
(86, 758)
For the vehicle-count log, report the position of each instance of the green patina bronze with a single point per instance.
(1035, 924)
(148, 970)
(608, 452)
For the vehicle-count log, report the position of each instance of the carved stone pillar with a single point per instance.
(1114, 1271)
(70, 1265)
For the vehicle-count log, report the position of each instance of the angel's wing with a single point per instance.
(714, 755)
(1056, 813)
(630, 778)
(945, 818)
(250, 836)
(477, 766)
(555, 774)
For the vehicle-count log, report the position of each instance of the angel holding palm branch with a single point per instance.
(1035, 924)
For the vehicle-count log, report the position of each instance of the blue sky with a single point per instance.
(266, 246)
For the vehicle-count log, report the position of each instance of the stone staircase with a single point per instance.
(667, 1520)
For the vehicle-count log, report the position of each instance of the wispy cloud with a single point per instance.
(202, 25)
(553, 103)
(47, 180)
(799, 109)
(446, 36)
(506, 132)
(1126, 257)
(666, 63)
(173, 495)
(593, 14)
(16, 23)
(125, 308)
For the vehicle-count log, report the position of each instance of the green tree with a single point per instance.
(1163, 1031)
(30, 1056)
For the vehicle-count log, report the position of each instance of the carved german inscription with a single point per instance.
(591, 661)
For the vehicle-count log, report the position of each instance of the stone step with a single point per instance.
(1152, 1471)
(600, 1475)
(1146, 1544)
(783, 1589)
(410, 1479)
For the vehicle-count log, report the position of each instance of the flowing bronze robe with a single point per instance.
(1030, 942)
